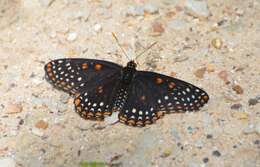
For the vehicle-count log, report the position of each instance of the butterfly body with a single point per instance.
(141, 97)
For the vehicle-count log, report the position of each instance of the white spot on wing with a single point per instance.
(101, 103)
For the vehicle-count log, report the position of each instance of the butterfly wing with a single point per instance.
(78, 75)
(97, 103)
(153, 94)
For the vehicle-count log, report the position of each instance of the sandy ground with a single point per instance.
(213, 44)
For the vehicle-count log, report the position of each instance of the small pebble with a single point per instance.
(238, 89)
(210, 68)
(53, 34)
(209, 136)
(166, 153)
(135, 11)
(41, 124)
(217, 43)
(151, 9)
(190, 129)
(97, 27)
(257, 142)
(14, 108)
(198, 144)
(216, 153)
(221, 22)
(197, 8)
(175, 133)
(37, 132)
(170, 14)
(193, 164)
(257, 128)
(7, 162)
(157, 27)
(112, 119)
(180, 58)
(254, 101)
(224, 76)
(249, 129)
(236, 106)
(231, 96)
(64, 98)
(177, 24)
(205, 160)
(98, 126)
(46, 3)
(199, 73)
(72, 36)
(173, 74)
(241, 115)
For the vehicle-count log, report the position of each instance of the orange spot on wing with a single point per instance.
(49, 65)
(154, 119)
(100, 89)
(179, 107)
(99, 119)
(49, 69)
(158, 80)
(90, 114)
(98, 114)
(122, 118)
(77, 102)
(160, 114)
(50, 74)
(140, 123)
(107, 113)
(131, 122)
(205, 97)
(172, 85)
(78, 109)
(142, 98)
(148, 122)
(84, 66)
(97, 67)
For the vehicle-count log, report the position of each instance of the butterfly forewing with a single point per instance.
(76, 75)
(153, 94)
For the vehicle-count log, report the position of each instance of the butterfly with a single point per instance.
(140, 97)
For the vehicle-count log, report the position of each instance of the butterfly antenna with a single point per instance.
(120, 46)
(149, 47)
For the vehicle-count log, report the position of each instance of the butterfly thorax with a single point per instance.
(128, 72)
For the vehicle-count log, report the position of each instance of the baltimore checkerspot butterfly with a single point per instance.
(141, 97)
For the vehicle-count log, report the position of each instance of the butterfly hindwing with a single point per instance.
(97, 103)
(154, 94)
(76, 75)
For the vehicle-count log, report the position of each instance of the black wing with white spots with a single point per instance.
(78, 75)
(97, 103)
(154, 94)
(140, 97)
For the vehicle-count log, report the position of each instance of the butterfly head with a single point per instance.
(131, 64)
